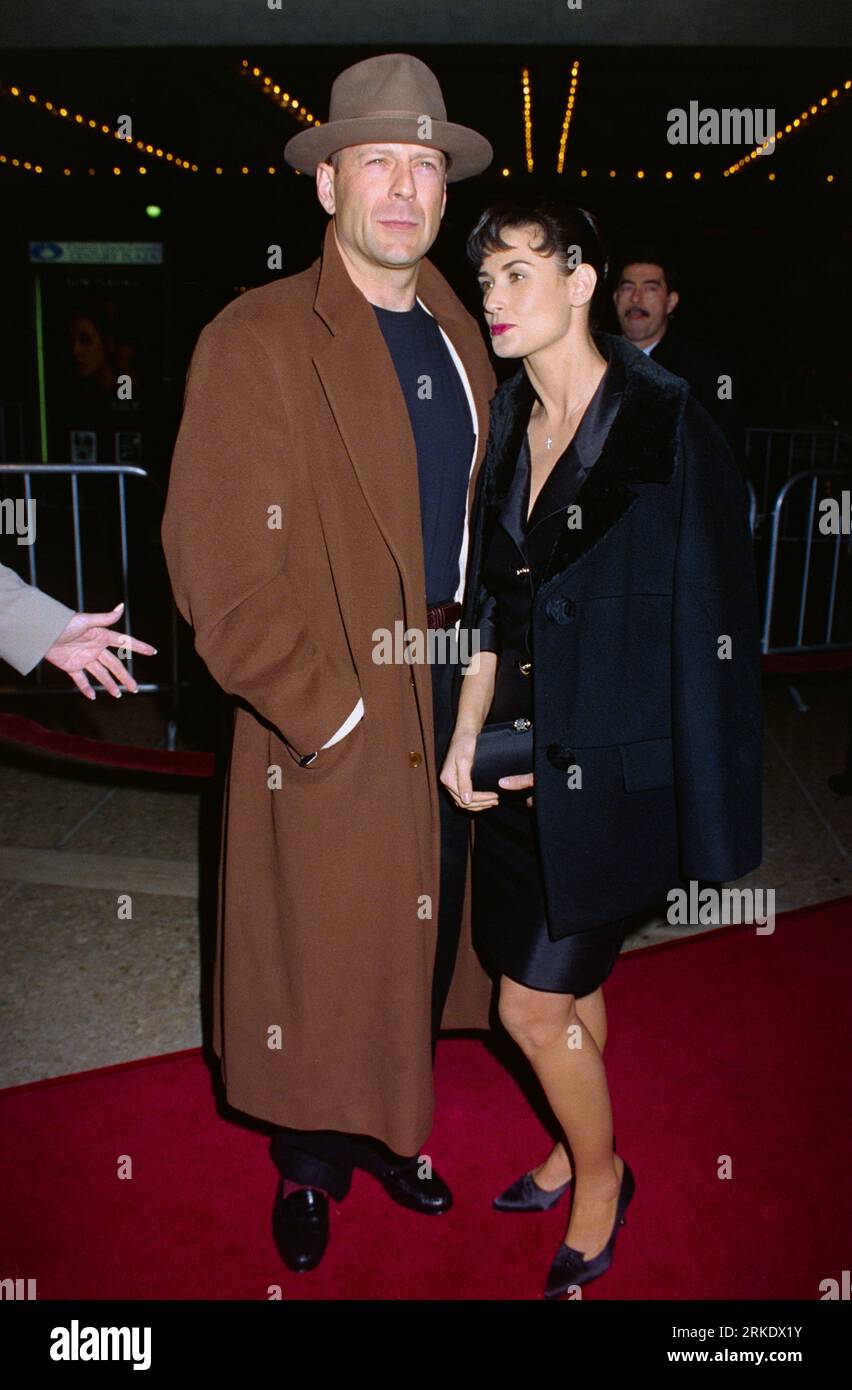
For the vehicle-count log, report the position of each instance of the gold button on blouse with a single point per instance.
(524, 667)
(415, 759)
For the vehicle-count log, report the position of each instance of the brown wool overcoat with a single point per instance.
(293, 403)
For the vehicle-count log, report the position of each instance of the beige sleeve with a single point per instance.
(30, 621)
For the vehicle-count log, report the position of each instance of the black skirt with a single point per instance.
(510, 916)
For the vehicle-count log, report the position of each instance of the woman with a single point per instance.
(612, 584)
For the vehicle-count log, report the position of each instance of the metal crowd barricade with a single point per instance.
(122, 474)
(807, 614)
(752, 508)
(774, 454)
(807, 605)
(801, 535)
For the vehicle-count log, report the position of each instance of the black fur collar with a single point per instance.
(641, 447)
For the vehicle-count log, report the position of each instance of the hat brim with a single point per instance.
(469, 151)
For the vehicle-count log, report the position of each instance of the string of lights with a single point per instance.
(528, 120)
(818, 108)
(276, 93)
(288, 102)
(669, 175)
(26, 164)
(9, 162)
(88, 123)
(569, 111)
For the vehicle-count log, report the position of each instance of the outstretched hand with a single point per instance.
(84, 646)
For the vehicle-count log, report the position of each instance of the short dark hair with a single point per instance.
(565, 228)
(646, 253)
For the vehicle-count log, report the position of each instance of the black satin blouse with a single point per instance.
(519, 549)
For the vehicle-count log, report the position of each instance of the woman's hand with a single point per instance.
(84, 646)
(517, 783)
(455, 775)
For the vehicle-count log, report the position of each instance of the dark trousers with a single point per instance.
(325, 1158)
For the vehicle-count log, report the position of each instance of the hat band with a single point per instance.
(381, 115)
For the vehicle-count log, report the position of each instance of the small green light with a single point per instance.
(153, 211)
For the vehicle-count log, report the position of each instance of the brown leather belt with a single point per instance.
(445, 615)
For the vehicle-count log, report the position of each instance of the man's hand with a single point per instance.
(517, 783)
(84, 646)
(455, 775)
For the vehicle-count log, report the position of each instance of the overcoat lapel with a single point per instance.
(369, 408)
(363, 392)
(370, 413)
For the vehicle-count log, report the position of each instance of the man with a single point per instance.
(645, 299)
(321, 493)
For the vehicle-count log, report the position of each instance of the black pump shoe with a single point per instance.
(526, 1195)
(300, 1227)
(569, 1268)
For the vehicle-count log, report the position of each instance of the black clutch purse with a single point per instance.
(502, 750)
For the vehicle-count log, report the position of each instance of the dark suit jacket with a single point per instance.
(628, 620)
(702, 366)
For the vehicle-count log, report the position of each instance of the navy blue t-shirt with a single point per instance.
(443, 432)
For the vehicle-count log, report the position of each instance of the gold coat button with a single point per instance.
(524, 667)
(415, 759)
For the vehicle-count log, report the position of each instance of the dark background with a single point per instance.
(764, 264)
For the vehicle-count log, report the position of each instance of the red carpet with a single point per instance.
(728, 1044)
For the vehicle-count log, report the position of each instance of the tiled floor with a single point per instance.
(84, 986)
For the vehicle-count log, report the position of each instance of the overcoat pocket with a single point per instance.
(647, 764)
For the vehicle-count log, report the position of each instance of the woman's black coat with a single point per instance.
(634, 682)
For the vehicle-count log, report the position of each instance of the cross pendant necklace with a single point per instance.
(548, 439)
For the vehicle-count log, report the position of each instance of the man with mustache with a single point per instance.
(321, 493)
(645, 299)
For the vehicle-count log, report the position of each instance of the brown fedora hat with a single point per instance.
(391, 97)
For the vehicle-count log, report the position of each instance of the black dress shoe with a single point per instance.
(300, 1227)
(427, 1195)
(570, 1268)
